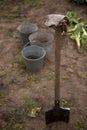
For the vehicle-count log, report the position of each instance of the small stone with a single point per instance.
(70, 70)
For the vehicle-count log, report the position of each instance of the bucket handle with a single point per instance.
(27, 44)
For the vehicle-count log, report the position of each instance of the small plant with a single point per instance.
(65, 78)
(33, 108)
(65, 102)
(34, 78)
(50, 76)
(80, 125)
(20, 127)
(30, 102)
(77, 30)
(38, 4)
(72, 17)
(80, 1)
(3, 129)
(81, 75)
(2, 4)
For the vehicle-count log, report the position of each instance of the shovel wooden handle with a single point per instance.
(58, 37)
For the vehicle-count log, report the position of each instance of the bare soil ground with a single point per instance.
(16, 83)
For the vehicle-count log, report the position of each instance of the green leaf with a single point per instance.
(80, 1)
(72, 17)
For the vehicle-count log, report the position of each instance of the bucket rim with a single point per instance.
(50, 35)
(44, 53)
(32, 25)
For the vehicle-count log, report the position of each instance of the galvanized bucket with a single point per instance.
(43, 39)
(33, 57)
(25, 29)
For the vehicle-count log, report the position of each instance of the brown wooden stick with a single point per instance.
(58, 37)
(59, 24)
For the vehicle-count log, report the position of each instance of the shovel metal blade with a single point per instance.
(57, 114)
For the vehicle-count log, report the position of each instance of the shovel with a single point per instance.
(58, 113)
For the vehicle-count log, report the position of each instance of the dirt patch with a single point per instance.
(16, 83)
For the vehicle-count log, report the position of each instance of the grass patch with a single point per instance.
(19, 127)
(30, 102)
(33, 3)
(2, 4)
(65, 78)
(50, 76)
(66, 103)
(34, 78)
(81, 75)
(13, 16)
(20, 61)
(3, 129)
(80, 125)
